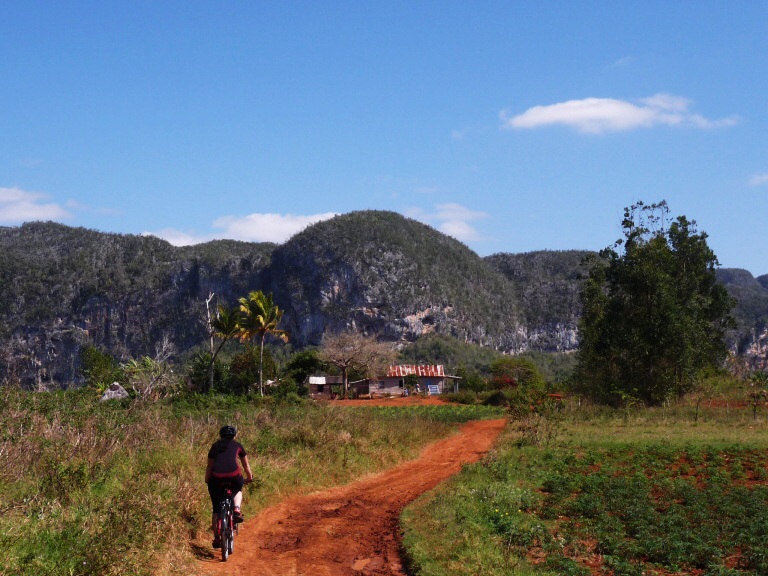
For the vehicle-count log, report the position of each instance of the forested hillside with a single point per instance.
(393, 276)
(373, 271)
(547, 284)
(751, 310)
(67, 287)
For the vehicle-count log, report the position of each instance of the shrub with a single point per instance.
(496, 398)
(462, 397)
(197, 372)
(516, 372)
(149, 379)
(99, 368)
(286, 390)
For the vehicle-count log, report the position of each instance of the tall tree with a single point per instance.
(653, 314)
(301, 365)
(352, 351)
(224, 326)
(259, 317)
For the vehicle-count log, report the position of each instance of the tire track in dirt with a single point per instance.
(351, 530)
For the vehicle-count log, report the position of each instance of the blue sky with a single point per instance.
(512, 126)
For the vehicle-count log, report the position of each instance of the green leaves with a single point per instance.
(259, 317)
(654, 314)
(644, 506)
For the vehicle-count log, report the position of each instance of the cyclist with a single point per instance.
(223, 471)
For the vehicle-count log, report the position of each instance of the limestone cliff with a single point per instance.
(376, 272)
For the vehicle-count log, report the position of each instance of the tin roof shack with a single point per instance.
(325, 386)
(431, 379)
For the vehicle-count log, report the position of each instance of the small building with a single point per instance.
(432, 379)
(325, 386)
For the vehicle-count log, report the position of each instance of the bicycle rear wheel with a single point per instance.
(231, 539)
(226, 530)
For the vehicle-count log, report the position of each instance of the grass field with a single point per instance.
(117, 488)
(648, 491)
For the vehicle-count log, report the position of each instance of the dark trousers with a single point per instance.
(218, 486)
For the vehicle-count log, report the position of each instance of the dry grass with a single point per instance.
(89, 488)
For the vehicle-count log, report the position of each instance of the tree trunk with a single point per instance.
(261, 366)
(213, 363)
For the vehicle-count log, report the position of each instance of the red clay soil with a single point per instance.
(352, 529)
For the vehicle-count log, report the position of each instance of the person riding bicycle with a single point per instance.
(223, 472)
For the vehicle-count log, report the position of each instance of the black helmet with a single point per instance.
(228, 431)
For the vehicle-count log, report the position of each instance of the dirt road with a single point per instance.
(352, 529)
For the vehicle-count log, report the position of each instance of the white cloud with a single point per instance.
(759, 179)
(17, 206)
(252, 228)
(179, 237)
(266, 227)
(599, 115)
(451, 219)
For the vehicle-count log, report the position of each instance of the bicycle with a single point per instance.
(226, 527)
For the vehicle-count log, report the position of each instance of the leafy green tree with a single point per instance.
(243, 369)
(470, 379)
(198, 372)
(260, 317)
(224, 326)
(514, 372)
(286, 390)
(654, 315)
(99, 368)
(410, 382)
(303, 364)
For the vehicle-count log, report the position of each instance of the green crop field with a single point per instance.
(650, 491)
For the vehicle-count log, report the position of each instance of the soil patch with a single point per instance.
(352, 529)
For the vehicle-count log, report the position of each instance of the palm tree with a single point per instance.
(224, 326)
(260, 316)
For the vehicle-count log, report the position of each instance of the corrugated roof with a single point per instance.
(423, 370)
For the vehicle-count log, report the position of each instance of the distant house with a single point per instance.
(432, 379)
(325, 386)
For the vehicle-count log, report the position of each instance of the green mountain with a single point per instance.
(547, 285)
(377, 272)
(380, 272)
(750, 312)
(63, 288)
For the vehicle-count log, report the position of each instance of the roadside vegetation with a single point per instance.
(116, 488)
(607, 491)
(655, 463)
